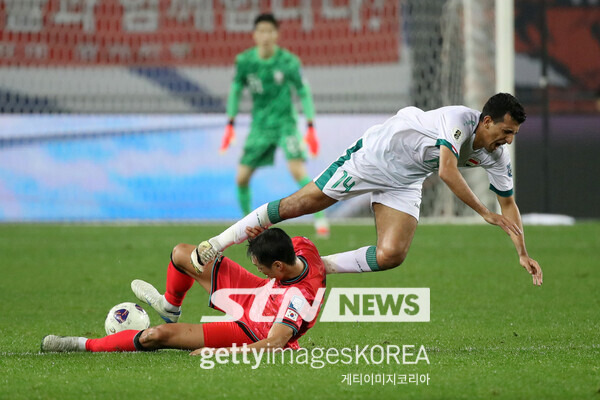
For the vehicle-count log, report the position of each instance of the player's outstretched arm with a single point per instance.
(452, 177)
(278, 337)
(511, 210)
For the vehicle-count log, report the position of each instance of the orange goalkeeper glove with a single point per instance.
(228, 137)
(311, 140)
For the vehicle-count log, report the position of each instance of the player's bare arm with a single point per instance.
(511, 210)
(449, 173)
(307, 200)
(278, 337)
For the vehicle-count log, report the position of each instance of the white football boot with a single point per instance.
(148, 293)
(60, 344)
(204, 253)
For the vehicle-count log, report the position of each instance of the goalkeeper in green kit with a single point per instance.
(270, 72)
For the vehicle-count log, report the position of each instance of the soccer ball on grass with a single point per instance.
(125, 316)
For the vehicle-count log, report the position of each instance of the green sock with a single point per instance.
(303, 182)
(273, 212)
(244, 198)
(371, 257)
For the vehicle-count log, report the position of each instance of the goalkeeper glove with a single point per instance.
(228, 137)
(311, 140)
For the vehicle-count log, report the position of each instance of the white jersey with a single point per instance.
(391, 161)
(406, 147)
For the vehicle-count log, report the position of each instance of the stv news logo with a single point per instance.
(342, 305)
(377, 305)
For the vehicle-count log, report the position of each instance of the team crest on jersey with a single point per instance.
(278, 77)
(472, 162)
(509, 170)
(457, 134)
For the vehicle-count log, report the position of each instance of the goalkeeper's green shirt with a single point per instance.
(270, 83)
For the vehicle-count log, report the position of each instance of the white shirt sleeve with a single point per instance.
(452, 131)
(500, 173)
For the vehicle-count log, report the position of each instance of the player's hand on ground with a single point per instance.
(505, 223)
(253, 232)
(228, 138)
(203, 351)
(311, 140)
(533, 268)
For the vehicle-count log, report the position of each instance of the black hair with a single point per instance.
(270, 246)
(266, 17)
(501, 103)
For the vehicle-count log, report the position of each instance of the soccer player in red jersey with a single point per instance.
(294, 272)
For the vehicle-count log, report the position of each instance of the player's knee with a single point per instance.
(181, 254)
(154, 337)
(244, 175)
(298, 175)
(390, 257)
(242, 181)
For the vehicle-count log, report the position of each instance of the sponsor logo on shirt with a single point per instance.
(509, 170)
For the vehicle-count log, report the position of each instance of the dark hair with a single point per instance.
(270, 246)
(270, 18)
(501, 103)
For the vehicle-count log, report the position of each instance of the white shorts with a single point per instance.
(350, 176)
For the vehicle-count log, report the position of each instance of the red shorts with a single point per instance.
(224, 334)
(227, 274)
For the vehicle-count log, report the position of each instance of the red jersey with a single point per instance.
(299, 294)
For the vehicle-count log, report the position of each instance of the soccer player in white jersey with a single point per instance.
(391, 161)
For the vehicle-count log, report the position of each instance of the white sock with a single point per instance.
(236, 233)
(168, 306)
(359, 260)
(81, 343)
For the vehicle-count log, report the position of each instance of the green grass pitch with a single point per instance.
(492, 333)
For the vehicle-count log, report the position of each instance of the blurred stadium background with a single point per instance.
(114, 109)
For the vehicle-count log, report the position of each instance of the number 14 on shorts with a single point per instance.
(347, 182)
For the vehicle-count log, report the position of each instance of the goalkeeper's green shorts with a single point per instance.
(260, 146)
